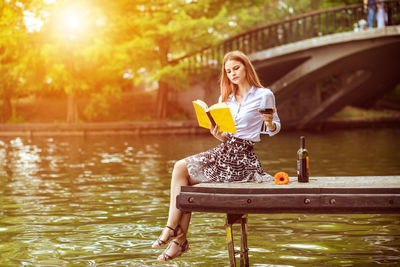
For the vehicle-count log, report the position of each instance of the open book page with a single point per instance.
(219, 113)
(201, 110)
(201, 104)
(223, 117)
(218, 105)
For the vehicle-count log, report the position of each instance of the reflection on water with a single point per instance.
(103, 200)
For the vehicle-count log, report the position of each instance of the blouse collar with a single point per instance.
(251, 91)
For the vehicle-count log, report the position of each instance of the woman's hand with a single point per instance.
(267, 118)
(217, 134)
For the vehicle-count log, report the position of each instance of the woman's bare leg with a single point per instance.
(180, 177)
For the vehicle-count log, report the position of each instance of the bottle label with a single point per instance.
(298, 167)
(302, 170)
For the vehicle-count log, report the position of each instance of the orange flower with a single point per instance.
(281, 178)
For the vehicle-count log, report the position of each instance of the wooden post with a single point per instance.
(312, 30)
(342, 20)
(351, 17)
(229, 237)
(327, 23)
(244, 250)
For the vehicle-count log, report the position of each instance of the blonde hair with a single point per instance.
(227, 87)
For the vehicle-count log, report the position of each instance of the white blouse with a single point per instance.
(249, 124)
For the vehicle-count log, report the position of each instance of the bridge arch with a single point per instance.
(366, 63)
(315, 63)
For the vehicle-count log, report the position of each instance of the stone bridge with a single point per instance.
(313, 79)
(316, 63)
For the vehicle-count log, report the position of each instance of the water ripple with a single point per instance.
(103, 201)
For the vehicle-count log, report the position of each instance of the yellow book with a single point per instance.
(219, 114)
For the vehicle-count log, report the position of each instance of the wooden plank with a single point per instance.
(286, 190)
(371, 194)
(315, 182)
(287, 203)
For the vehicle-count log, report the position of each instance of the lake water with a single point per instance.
(102, 201)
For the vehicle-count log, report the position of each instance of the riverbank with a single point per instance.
(103, 128)
(169, 127)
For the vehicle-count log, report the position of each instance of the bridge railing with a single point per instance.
(313, 24)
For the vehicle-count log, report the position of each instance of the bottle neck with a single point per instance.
(302, 142)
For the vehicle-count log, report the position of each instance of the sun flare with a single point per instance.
(71, 19)
(74, 20)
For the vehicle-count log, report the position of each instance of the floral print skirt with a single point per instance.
(232, 161)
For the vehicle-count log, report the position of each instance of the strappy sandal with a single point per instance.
(161, 242)
(166, 257)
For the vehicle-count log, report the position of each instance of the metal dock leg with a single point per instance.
(244, 256)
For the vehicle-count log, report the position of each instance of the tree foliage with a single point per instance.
(13, 45)
(116, 42)
(158, 31)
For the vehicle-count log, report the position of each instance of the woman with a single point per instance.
(381, 15)
(233, 160)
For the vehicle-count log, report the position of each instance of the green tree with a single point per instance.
(332, 3)
(13, 43)
(77, 57)
(158, 31)
(141, 37)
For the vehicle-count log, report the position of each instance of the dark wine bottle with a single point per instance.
(302, 162)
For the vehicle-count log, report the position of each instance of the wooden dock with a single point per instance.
(345, 194)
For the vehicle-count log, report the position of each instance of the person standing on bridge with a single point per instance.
(234, 159)
(381, 15)
(371, 7)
